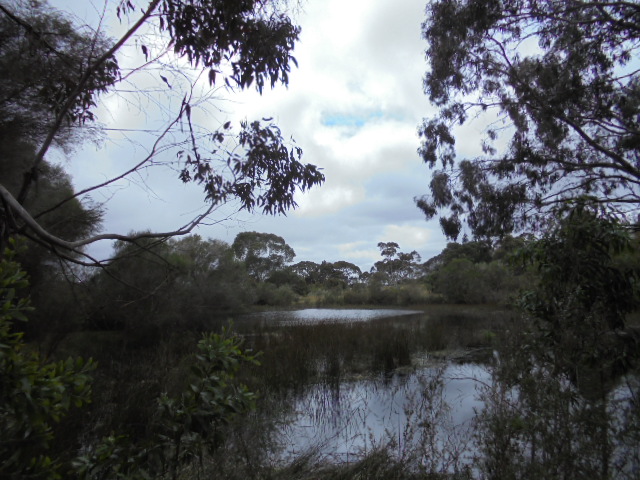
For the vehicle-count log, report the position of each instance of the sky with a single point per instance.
(353, 106)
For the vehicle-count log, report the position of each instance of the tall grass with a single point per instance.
(294, 356)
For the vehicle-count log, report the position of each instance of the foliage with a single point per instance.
(474, 251)
(562, 79)
(209, 277)
(578, 275)
(71, 219)
(462, 281)
(255, 43)
(328, 274)
(397, 266)
(34, 394)
(188, 426)
(556, 408)
(56, 73)
(287, 277)
(262, 253)
(153, 286)
(42, 56)
(349, 272)
(307, 270)
(278, 296)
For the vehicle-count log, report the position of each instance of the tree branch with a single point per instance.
(29, 176)
(19, 211)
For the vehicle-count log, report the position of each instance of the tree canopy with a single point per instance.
(397, 266)
(262, 253)
(57, 72)
(561, 79)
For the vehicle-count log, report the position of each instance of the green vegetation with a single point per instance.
(54, 74)
(165, 411)
(34, 394)
(37, 395)
(563, 78)
(566, 362)
(132, 370)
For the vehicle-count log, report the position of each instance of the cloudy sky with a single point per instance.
(353, 105)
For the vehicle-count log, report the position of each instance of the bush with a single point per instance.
(269, 294)
(34, 395)
(356, 295)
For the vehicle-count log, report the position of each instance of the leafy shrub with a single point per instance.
(356, 295)
(34, 395)
(269, 294)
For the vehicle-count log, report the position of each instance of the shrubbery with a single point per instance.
(35, 395)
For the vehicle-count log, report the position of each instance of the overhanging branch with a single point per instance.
(20, 213)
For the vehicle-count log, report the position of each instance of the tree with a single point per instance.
(561, 77)
(210, 279)
(474, 251)
(57, 73)
(388, 249)
(333, 275)
(396, 266)
(262, 253)
(35, 395)
(350, 272)
(310, 271)
(459, 282)
(565, 361)
(579, 280)
(153, 287)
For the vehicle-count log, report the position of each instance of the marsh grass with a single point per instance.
(294, 356)
(428, 444)
(323, 356)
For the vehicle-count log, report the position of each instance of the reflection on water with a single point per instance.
(327, 315)
(435, 404)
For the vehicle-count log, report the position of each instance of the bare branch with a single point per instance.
(21, 213)
(80, 87)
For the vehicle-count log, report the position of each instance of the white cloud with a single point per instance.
(409, 237)
(362, 61)
(328, 200)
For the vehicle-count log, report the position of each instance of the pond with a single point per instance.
(430, 407)
(373, 398)
(343, 384)
(327, 315)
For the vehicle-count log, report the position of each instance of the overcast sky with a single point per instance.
(353, 106)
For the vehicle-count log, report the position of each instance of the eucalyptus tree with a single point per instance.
(350, 272)
(566, 359)
(57, 73)
(156, 285)
(38, 68)
(262, 253)
(308, 270)
(327, 273)
(397, 266)
(557, 83)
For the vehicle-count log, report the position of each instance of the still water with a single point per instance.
(425, 411)
(434, 404)
(309, 316)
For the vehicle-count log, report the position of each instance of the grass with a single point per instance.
(133, 371)
(296, 355)
(293, 358)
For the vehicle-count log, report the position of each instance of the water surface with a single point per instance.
(343, 422)
(309, 316)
